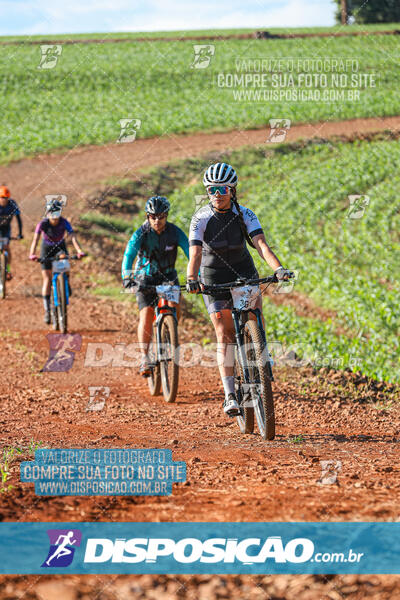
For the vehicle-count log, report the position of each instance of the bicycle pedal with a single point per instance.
(233, 413)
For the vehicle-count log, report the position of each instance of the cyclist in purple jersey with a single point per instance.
(53, 229)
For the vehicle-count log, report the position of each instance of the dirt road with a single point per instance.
(230, 477)
(76, 171)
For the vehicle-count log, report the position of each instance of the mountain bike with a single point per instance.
(164, 347)
(60, 290)
(252, 360)
(4, 241)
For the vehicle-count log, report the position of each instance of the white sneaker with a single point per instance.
(145, 367)
(231, 406)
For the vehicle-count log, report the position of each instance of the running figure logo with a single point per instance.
(63, 543)
(203, 54)
(128, 131)
(50, 54)
(62, 351)
(278, 130)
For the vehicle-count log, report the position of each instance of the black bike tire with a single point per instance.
(170, 384)
(62, 304)
(154, 379)
(253, 334)
(246, 420)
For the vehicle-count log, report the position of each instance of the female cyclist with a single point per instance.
(217, 246)
(53, 229)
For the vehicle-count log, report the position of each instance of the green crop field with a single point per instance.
(92, 87)
(347, 265)
(201, 32)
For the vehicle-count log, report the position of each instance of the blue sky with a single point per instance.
(29, 17)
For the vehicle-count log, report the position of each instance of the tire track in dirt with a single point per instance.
(77, 171)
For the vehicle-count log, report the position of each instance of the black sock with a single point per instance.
(46, 302)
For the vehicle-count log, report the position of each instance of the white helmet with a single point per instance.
(220, 173)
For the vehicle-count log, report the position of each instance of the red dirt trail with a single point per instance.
(230, 476)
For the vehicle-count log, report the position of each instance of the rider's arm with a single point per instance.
(75, 243)
(183, 242)
(35, 240)
(265, 251)
(196, 235)
(19, 223)
(194, 263)
(70, 233)
(257, 235)
(131, 250)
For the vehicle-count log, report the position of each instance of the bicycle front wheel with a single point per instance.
(62, 303)
(169, 358)
(259, 379)
(154, 379)
(3, 274)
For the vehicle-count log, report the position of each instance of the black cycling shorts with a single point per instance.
(5, 232)
(48, 251)
(223, 300)
(150, 297)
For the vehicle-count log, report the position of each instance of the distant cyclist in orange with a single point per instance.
(8, 210)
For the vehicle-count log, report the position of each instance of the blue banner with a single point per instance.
(207, 548)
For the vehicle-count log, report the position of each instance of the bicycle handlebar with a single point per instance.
(53, 258)
(208, 289)
(138, 284)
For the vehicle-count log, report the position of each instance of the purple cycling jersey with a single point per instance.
(53, 234)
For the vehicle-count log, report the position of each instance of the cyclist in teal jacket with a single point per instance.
(155, 244)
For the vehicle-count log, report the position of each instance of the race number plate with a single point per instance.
(61, 266)
(169, 292)
(245, 297)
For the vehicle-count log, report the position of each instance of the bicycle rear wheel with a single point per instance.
(62, 303)
(3, 274)
(261, 388)
(154, 380)
(169, 362)
(246, 418)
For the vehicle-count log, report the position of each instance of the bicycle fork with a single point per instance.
(66, 287)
